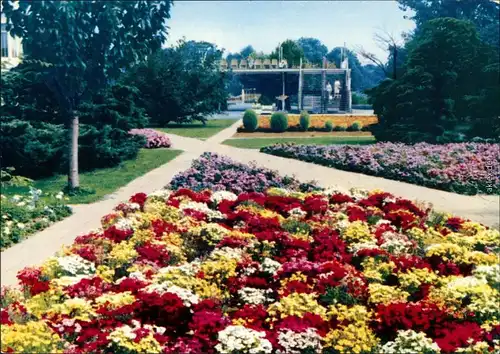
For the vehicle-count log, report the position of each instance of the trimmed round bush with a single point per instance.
(279, 122)
(356, 126)
(250, 120)
(329, 126)
(305, 120)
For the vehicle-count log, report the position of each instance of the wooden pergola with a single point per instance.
(271, 67)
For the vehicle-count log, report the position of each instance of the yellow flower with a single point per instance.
(43, 302)
(32, 337)
(124, 337)
(297, 304)
(122, 253)
(352, 339)
(220, 269)
(356, 314)
(376, 270)
(415, 277)
(357, 232)
(79, 309)
(384, 294)
(115, 300)
(106, 273)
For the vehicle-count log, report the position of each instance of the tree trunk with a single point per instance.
(73, 178)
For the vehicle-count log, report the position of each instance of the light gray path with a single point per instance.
(37, 248)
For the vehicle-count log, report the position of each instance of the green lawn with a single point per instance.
(198, 130)
(258, 143)
(107, 180)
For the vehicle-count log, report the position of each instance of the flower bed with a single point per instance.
(319, 120)
(281, 272)
(23, 215)
(154, 138)
(216, 172)
(467, 168)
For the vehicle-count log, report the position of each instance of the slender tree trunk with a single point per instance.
(73, 177)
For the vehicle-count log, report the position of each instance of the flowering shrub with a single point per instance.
(23, 215)
(216, 172)
(217, 272)
(154, 138)
(468, 168)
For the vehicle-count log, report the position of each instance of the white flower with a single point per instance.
(489, 272)
(255, 296)
(219, 196)
(298, 342)
(75, 265)
(186, 295)
(123, 224)
(356, 247)
(297, 213)
(4, 216)
(227, 252)
(16, 198)
(270, 266)
(20, 225)
(242, 340)
(6, 230)
(410, 342)
(162, 194)
(396, 243)
(21, 204)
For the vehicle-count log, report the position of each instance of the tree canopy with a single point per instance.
(292, 52)
(484, 14)
(181, 83)
(447, 86)
(313, 49)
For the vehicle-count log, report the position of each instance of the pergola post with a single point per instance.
(301, 80)
(348, 91)
(323, 86)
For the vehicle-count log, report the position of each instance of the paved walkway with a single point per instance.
(39, 247)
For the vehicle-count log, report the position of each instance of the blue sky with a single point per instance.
(263, 24)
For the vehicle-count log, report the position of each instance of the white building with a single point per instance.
(11, 47)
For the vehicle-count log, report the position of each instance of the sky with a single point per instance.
(232, 25)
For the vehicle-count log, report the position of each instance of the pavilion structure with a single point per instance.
(267, 66)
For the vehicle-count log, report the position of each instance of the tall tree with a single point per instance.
(447, 83)
(181, 84)
(245, 52)
(484, 14)
(313, 49)
(291, 52)
(86, 45)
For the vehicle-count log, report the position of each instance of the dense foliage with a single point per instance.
(274, 272)
(305, 120)
(484, 14)
(250, 120)
(449, 86)
(181, 84)
(34, 135)
(91, 44)
(279, 122)
(468, 168)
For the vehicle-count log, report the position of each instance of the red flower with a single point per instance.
(457, 335)
(31, 279)
(155, 253)
(4, 317)
(254, 315)
(303, 323)
(315, 204)
(202, 197)
(117, 235)
(340, 198)
(88, 288)
(139, 198)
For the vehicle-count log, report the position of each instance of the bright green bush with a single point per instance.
(305, 120)
(279, 122)
(356, 126)
(250, 120)
(329, 126)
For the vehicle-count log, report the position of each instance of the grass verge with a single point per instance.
(107, 180)
(262, 142)
(198, 130)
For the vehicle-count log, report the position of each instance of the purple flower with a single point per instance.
(154, 138)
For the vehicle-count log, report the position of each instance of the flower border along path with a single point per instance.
(40, 246)
(481, 208)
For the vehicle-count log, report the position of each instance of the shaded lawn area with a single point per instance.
(197, 129)
(258, 143)
(106, 180)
